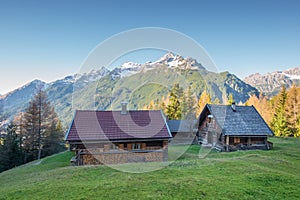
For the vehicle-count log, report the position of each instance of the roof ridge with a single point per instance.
(262, 119)
(220, 105)
(116, 110)
(100, 125)
(245, 117)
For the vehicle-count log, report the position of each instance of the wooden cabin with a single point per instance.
(114, 137)
(183, 131)
(229, 128)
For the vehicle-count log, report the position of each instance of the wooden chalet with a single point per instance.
(114, 137)
(229, 128)
(183, 131)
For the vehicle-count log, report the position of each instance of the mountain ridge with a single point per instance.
(97, 89)
(270, 83)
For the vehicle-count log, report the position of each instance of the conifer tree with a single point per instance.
(163, 105)
(203, 100)
(10, 152)
(173, 109)
(252, 101)
(230, 99)
(189, 104)
(262, 106)
(53, 141)
(18, 121)
(297, 134)
(216, 101)
(279, 121)
(37, 122)
(292, 109)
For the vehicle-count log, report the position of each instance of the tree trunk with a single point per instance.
(40, 125)
(39, 153)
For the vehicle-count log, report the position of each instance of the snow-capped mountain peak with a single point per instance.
(130, 65)
(83, 78)
(170, 60)
(293, 73)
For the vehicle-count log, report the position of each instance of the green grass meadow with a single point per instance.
(273, 174)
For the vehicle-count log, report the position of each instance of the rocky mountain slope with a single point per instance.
(135, 83)
(271, 83)
(17, 100)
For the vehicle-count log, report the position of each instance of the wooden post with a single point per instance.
(227, 142)
(165, 144)
(266, 143)
(249, 141)
(143, 146)
(121, 146)
(129, 146)
(106, 147)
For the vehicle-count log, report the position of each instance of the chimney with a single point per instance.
(124, 108)
(233, 107)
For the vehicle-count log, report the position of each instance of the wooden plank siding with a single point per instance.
(225, 129)
(114, 137)
(118, 153)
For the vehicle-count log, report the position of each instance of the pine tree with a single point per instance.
(203, 100)
(253, 101)
(262, 105)
(151, 105)
(18, 121)
(279, 121)
(1, 111)
(230, 99)
(264, 108)
(30, 136)
(184, 106)
(173, 110)
(297, 134)
(156, 105)
(163, 104)
(2, 117)
(216, 101)
(292, 109)
(37, 123)
(190, 104)
(10, 152)
(53, 141)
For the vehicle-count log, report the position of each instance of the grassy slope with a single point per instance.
(237, 175)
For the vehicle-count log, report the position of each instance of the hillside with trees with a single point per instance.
(281, 113)
(33, 134)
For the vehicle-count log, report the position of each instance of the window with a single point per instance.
(136, 146)
(114, 147)
(243, 140)
(155, 144)
(210, 117)
(236, 140)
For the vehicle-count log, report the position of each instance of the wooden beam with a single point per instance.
(227, 142)
(227, 139)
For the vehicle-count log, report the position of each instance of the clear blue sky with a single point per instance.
(50, 39)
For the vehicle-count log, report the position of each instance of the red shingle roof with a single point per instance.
(112, 125)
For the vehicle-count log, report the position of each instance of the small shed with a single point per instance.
(183, 131)
(231, 127)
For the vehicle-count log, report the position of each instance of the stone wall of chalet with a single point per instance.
(119, 157)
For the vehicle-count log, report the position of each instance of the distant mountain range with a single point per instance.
(271, 83)
(135, 83)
